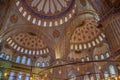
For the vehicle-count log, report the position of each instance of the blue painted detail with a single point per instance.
(48, 17)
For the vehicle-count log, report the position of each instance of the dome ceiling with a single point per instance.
(46, 12)
(28, 43)
(86, 35)
(86, 32)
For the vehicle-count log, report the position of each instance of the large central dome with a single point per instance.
(47, 12)
(50, 7)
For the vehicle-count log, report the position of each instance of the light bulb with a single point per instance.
(5, 74)
(59, 72)
(116, 78)
(31, 78)
(78, 69)
(119, 77)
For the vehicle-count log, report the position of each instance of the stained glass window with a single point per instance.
(102, 56)
(112, 71)
(1, 55)
(96, 57)
(43, 64)
(11, 77)
(106, 75)
(7, 57)
(28, 61)
(18, 59)
(19, 76)
(38, 64)
(23, 60)
(27, 77)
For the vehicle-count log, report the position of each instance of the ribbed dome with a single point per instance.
(47, 12)
(50, 6)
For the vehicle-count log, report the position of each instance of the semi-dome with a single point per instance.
(86, 35)
(28, 43)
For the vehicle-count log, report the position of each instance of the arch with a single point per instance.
(92, 13)
(15, 29)
(43, 61)
(18, 59)
(101, 50)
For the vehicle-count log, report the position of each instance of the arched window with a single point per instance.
(106, 75)
(29, 61)
(23, 60)
(92, 77)
(97, 76)
(43, 64)
(7, 57)
(38, 64)
(48, 64)
(82, 60)
(19, 77)
(11, 77)
(107, 55)
(112, 71)
(1, 55)
(86, 77)
(102, 57)
(88, 59)
(27, 77)
(96, 57)
(18, 59)
(71, 75)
